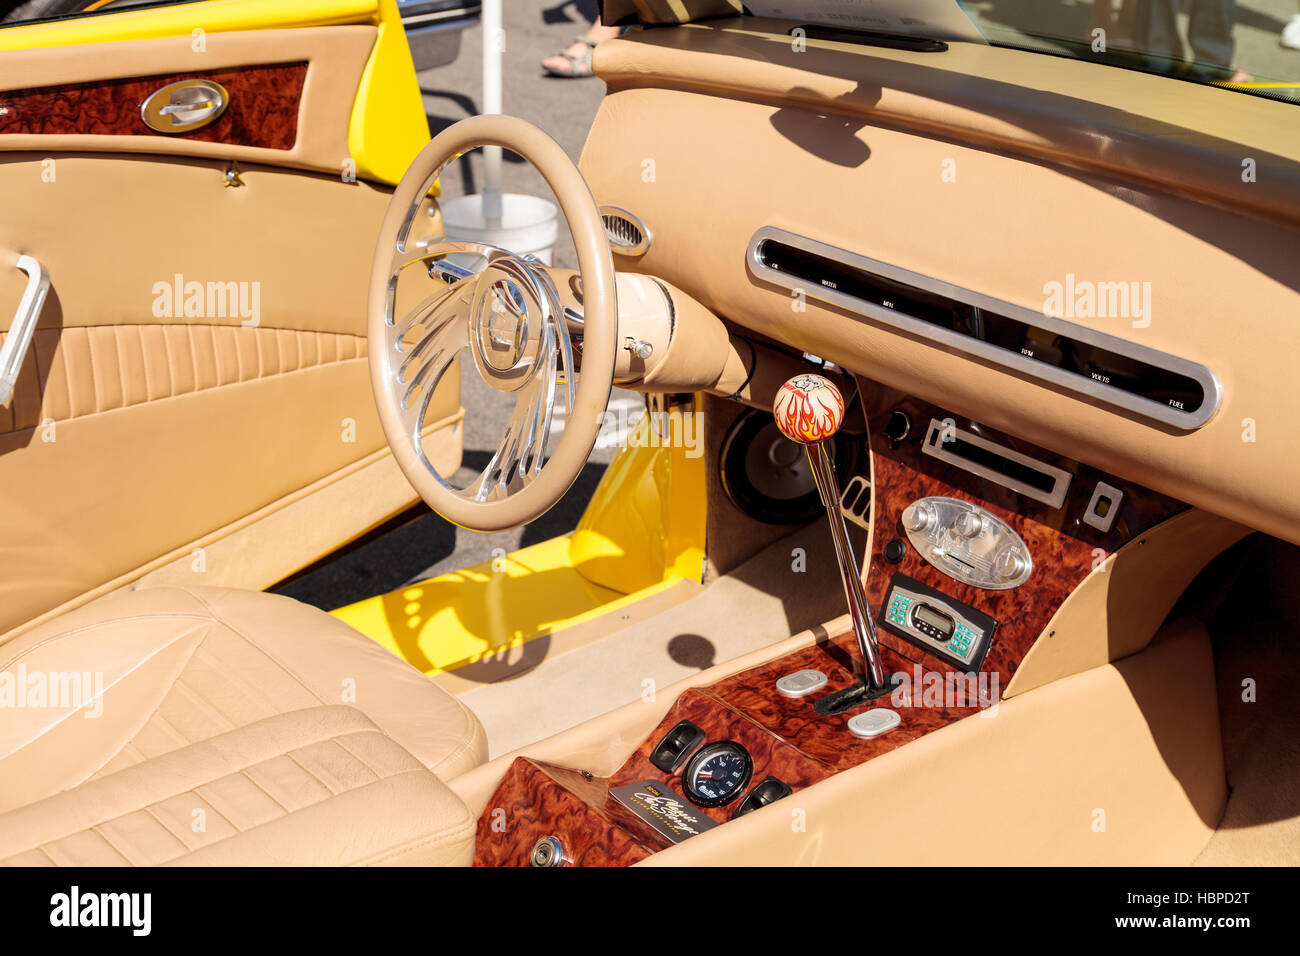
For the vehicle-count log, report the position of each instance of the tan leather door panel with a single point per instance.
(201, 354)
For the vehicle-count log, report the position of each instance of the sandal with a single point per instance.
(579, 66)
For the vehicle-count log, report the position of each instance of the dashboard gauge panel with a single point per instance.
(717, 773)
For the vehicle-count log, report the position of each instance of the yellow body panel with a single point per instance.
(642, 532)
(645, 523)
(388, 125)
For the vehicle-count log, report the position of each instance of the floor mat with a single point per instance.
(738, 613)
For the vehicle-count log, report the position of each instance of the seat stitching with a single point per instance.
(208, 797)
(216, 811)
(211, 800)
(475, 732)
(103, 836)
(153, 716)
(360, 759)
(162, 723)
(147, 718)
(315, 776)
(94, 624)
(163, 823)
(276, 660)
(250, 691)
(442, 837)
(128, 749)
(247, 776)
(199, 701)
(471, 723)
(140, 663)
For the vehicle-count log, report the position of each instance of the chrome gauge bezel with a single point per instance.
(703, 755)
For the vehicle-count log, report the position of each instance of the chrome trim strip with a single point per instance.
(1062, 378)
(1060, 478)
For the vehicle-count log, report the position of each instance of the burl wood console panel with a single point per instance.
(1063, 548)
(828, 739)
(785, 737)
(263, 108)
(536, 800)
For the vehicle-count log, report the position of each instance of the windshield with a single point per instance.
(1248, 45)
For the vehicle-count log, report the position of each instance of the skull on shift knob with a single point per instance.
(808, 409)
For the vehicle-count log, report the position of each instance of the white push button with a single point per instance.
(874, 722)
(801, 683)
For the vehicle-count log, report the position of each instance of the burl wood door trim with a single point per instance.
(263, 110)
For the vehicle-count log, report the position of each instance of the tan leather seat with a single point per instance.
(224, 727)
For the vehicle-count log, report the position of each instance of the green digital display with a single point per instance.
(928, 615)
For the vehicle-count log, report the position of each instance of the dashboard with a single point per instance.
(984, 279)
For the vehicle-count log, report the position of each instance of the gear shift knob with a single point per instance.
(809, 409)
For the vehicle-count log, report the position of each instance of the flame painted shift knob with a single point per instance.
(808, 409)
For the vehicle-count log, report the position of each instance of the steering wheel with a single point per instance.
(505, 310)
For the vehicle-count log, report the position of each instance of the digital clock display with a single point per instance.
(925, 614)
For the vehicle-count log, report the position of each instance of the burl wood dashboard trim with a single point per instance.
(784, 736)
(1065, 550)
(263, 110)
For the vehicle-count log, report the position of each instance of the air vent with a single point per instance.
(626, 233)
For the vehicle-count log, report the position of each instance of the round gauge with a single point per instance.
(717, 773)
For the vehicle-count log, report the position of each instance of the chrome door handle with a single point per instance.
(183, 106)
(23, 326)
(205, 109)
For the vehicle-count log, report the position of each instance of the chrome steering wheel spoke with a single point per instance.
(505, 309)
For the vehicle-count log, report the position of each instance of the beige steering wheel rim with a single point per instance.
(534, 490)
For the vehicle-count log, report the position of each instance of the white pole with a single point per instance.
(493, 46)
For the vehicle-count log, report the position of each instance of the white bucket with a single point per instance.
(528, 223)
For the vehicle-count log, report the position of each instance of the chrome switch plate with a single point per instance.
(801, 683)
(967, 543)
(1114, 498)
(874, 722)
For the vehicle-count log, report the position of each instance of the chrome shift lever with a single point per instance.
(809, 410)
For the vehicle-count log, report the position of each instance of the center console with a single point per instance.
(966, 571)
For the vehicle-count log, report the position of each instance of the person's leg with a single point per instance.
(1155, 34)
(1209, 31)
(576, 59)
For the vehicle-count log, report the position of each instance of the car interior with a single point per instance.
(960, 528)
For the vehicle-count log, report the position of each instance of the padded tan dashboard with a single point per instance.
(986, 168)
